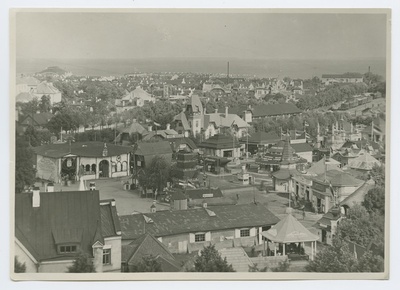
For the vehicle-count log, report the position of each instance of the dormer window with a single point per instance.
(67, 249)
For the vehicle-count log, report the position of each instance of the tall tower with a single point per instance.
(227, 75)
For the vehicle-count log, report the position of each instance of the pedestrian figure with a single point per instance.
(237, 196)
(304, 214)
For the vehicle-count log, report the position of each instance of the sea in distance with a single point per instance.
(271, 68)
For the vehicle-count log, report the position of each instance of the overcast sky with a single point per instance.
(241, 35)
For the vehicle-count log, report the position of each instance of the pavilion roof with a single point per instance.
(289, 230)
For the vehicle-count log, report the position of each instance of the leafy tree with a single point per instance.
(24, 171)
(255, 268)
(371, 263)
(156, 175)
(374, 200)
(378, 175)
(334, 259)
(282, 267)
(210, 260)
(18, 266)
(148, 264)
(82, 264)
(44, 105)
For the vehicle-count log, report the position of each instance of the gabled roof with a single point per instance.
(289, 230)
(46, 88)
(195, 103)
(83, 149)
(40, 119)
(338, 178)
(182, 117)
(139, 93)
(62, 217)
(319, 167)
(168, 223)
(25, 97)
(147, 245)
(364, 162)
(135, 127)
(331, 215)
(275, 109)
(222, 120)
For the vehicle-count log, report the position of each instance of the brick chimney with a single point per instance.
(36, 197)
(50, 187)
(153, 207)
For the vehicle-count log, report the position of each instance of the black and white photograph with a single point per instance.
(192, 141)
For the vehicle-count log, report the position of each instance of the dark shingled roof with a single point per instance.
(37, 119)
(262, 138)
(83, 149)
(167, 223)
(145, 246)
(301, 147)
(219, 142)
(62, 217)
(110, 225)
(275, 110)
(153, 148)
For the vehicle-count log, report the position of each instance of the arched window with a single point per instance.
(124, 165)
(94, 168)
(114, 167)
(87, 168)
(119, 166)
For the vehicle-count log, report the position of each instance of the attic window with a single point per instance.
(67, 249)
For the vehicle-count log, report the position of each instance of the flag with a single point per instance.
(306, 124)
(156, 124)
(331, 188)
(148, 220)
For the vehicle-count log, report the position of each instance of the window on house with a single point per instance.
(199, 237)
(67, 249)
(106, 256)
(245, 233)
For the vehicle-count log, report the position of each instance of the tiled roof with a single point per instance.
(275, 110)
(62, 217)
(338, 178)
(38, 119)
(109, 219)
(167, 223)
(222, 120)
(145, 246)
(301, 147)
(357, 197)
(30, 81)
(46, 88)
(319, 167)
(289, 230)
(364, 162)
(219, 141)
(182, 117)
(25, 97)
(83, 149)
(182, 140)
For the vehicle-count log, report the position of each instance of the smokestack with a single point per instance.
(227, 75)
(50, 187)
(36, 197)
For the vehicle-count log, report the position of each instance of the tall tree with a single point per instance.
(44, 105)
(374, 200)
(157, 174)
(210, 260)
(24, 171)
(82, 264)
(334, 259)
